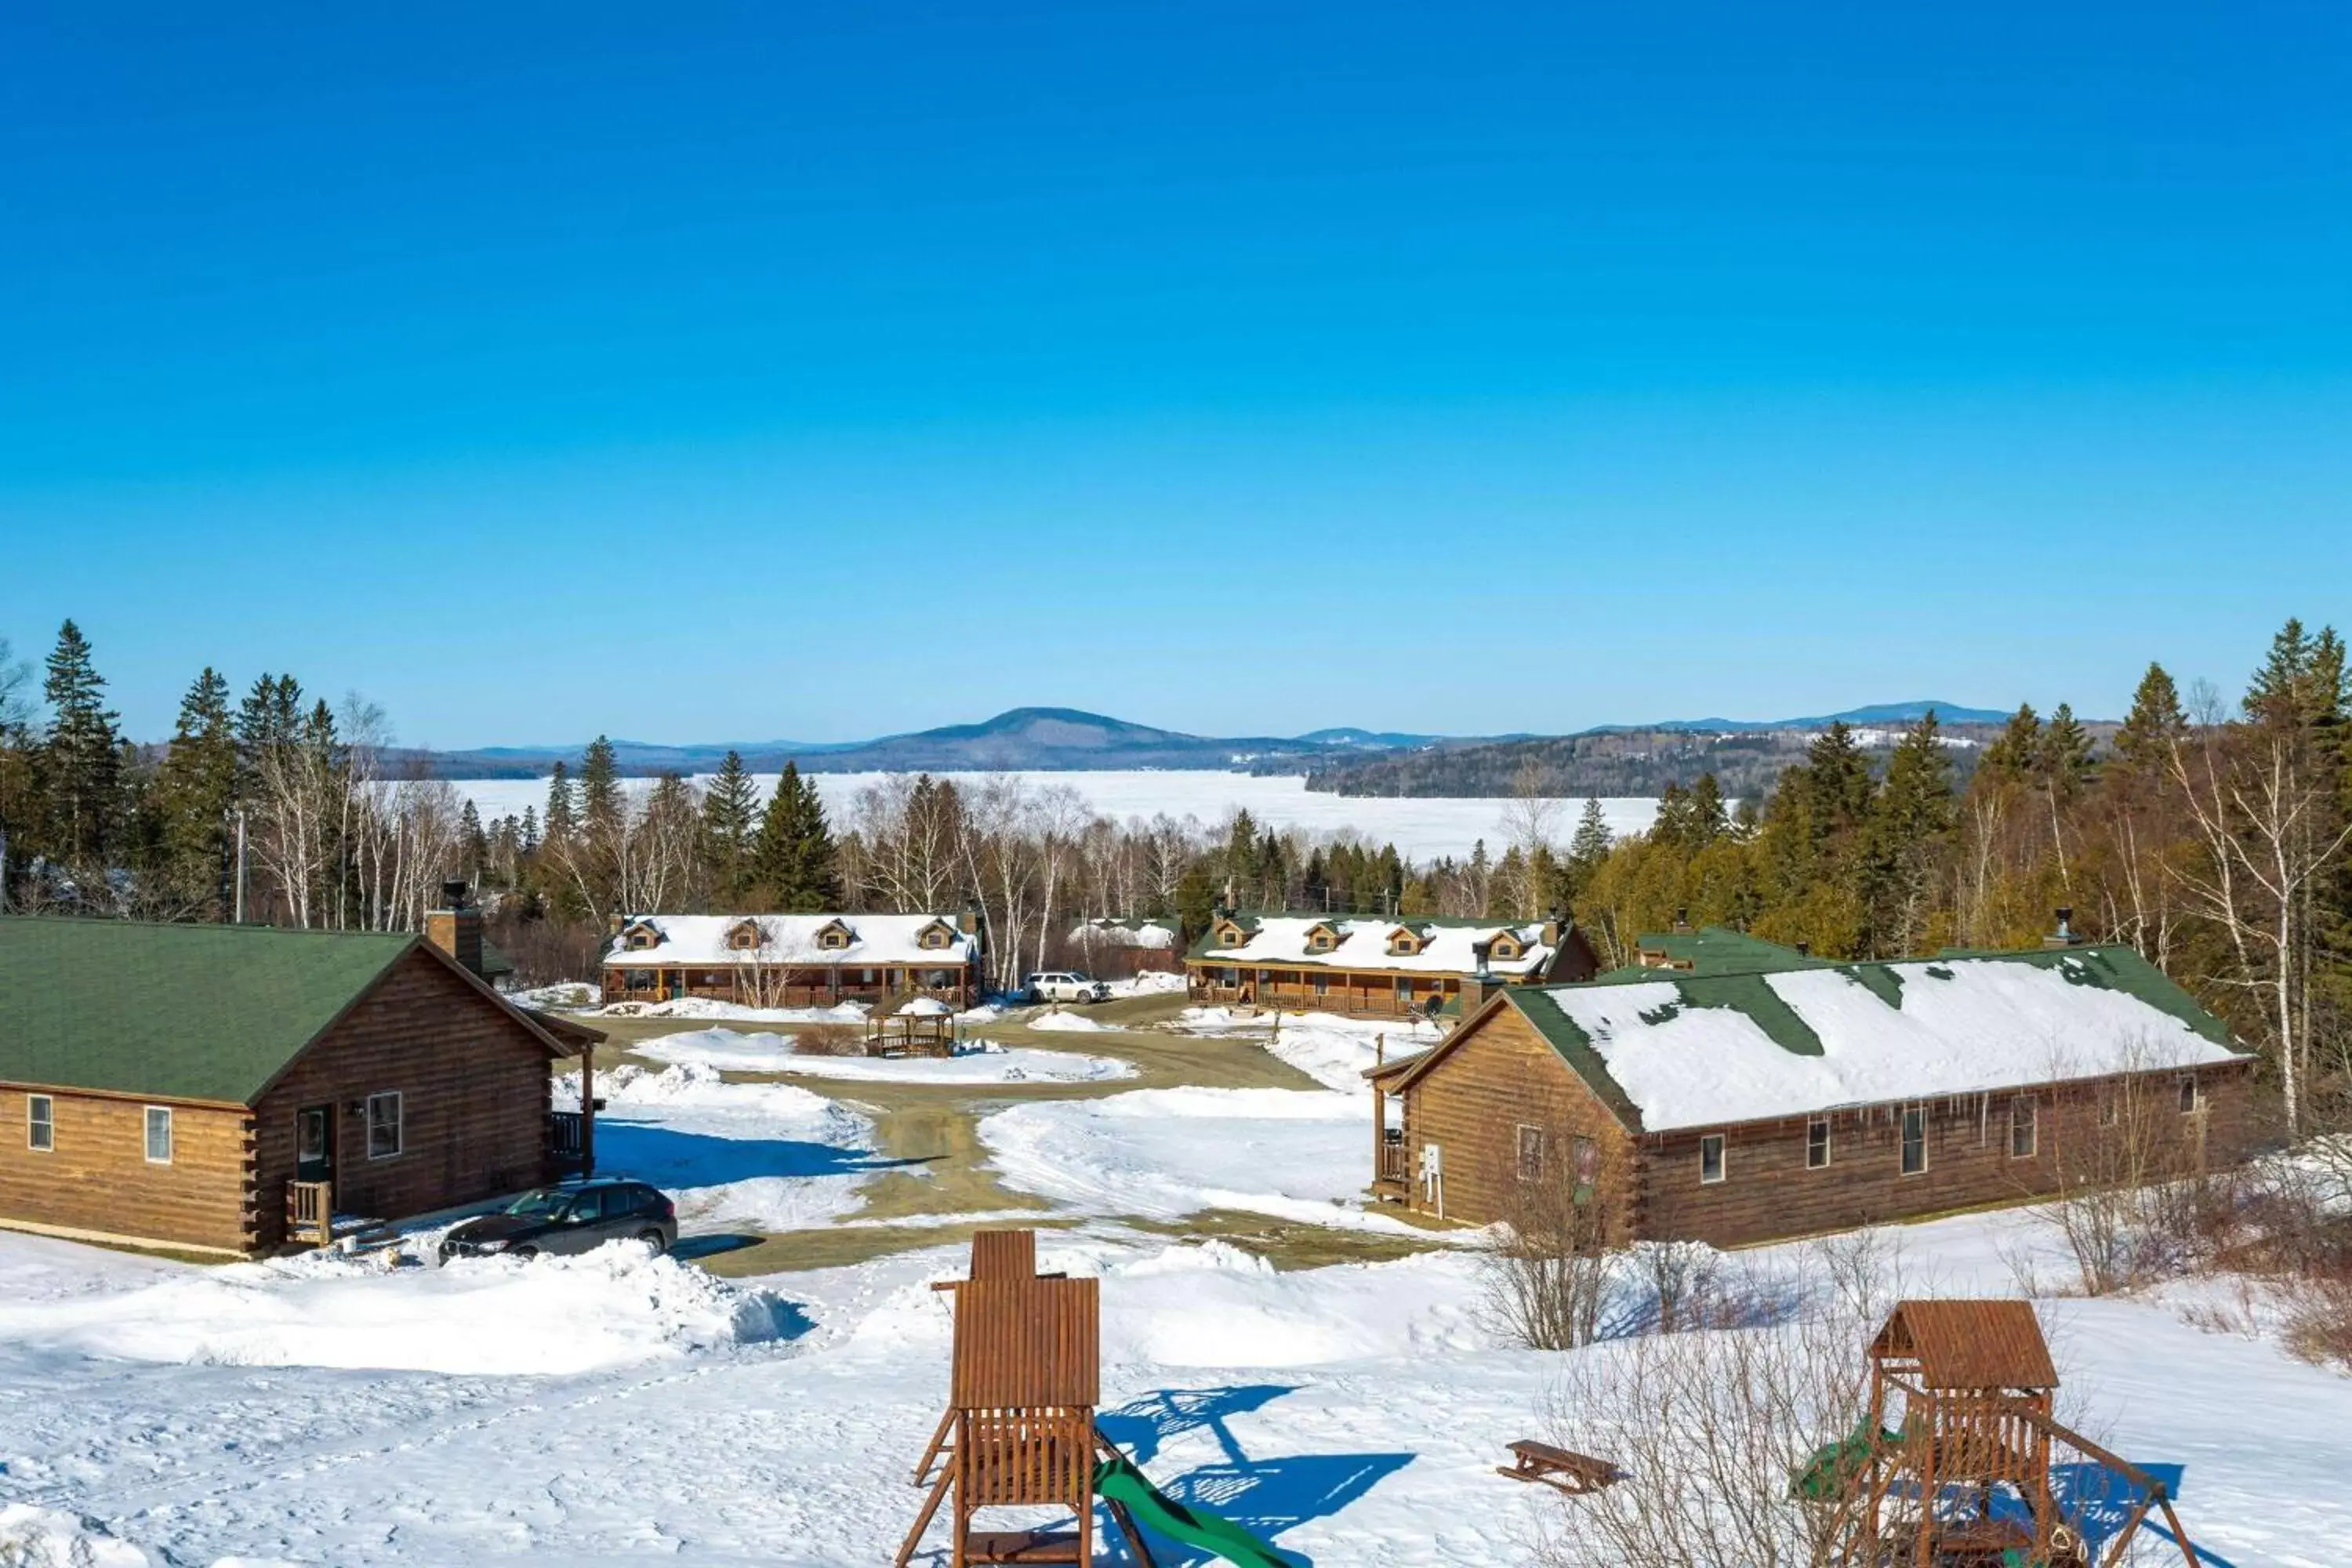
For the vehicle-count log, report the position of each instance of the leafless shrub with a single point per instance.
(1549, 1271)
(1683, 1279)
(1864, 1270)
(2319, 1322)
(1709, 1427)
(31, 1547)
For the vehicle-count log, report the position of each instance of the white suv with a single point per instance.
(1067, 985)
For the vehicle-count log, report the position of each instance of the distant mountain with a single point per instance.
(1877, 715)
(1067, 740)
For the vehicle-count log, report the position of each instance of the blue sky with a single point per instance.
(704, 372)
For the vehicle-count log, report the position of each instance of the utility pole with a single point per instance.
(240, 865)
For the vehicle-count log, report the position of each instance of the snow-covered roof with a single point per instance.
(703, 941)
(1363, 942)
(1108, 932)
(1708, 1051)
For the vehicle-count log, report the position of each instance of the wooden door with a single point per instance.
(314, 1143)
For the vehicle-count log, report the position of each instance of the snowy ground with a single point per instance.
(705, 1007)
(1164, 1153)
(1353, 1413)
(621, 1408)
(979, 1062)
(758, 1156)
(1422, 830)
(1331, 1049)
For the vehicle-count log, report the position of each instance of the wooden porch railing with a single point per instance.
(1395, 1163)
(311, 1212)
(566, 1139)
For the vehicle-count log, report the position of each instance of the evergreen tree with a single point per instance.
(600, 794)
(2017, 750)
(1674, 827)
(1196, 901)
(1242, 874)
(1910, 821)
(195, 793)
(793, 859)
(560, 811)
(473, 843)
(1588, 846)
(730, 812)
(2065, 756)
(2154, 722)
(1837, 780)
(81, 758)
(1707, 820)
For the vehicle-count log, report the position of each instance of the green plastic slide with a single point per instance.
(1836, 1467)
(1116, 1480)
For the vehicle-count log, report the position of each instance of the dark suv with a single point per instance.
(578, 1216)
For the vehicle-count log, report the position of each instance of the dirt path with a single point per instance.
(939, 1126)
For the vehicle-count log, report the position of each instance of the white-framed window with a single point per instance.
(1531, 1153)
(40, 1122)
(2192, 1099)
(1915, 1140)
(1710, 1158)
(383, 1127)
(159, 1134)
(2021, 1129)
(1817, 1143)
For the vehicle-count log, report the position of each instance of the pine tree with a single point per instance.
(195, 793)
(2155, 722)
(793, 859)
(1910, 821)
(473, 843)
(80, 760)
(729, 811)
(560, 811)
(600, 794)
(2065, 758)
(1241, 859)
(1589, 846)
(1707, 820)
(2016, 752)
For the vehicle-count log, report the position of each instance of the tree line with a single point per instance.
(2208, 834)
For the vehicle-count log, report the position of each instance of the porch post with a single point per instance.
(587, 1111)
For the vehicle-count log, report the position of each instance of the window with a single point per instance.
(1587, 1156)
(1915, 1139)
(159, 1134)
(1322, 982)
(1817, 1143)
(2191, 1101)
(1531, 1153)
(2020, 1128)
(40, 1122)
(1710, 1158)
(384, 1125)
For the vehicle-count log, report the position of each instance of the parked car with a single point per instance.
(578, 1216)
(1067, 985)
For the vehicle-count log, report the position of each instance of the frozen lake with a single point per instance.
(1422, 830)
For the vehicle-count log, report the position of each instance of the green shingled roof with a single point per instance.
(1720, 950)
(179, 1011)
(1744, 990)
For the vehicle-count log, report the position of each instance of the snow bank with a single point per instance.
(40, 1537)
(1210, 1304)
(978, 1062)
(1151, 983)
(1332, 1049)
(925, 1007)
(617, 1305)
(570, 997)
(1073, 1023)
(763, 1156)
(1167, 1153)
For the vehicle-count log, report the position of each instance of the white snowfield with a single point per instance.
(979, 1063)
(758, 1156)
(736, 1012)
(1422, 830)
(1332, 1049)
(1364, 944)
(1164, 1153)
(1354, 1415)
(1963, 1027)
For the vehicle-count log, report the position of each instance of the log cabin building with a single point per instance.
(1386, 966)
(229, 1090)
(1769, 1100)
(795, 960)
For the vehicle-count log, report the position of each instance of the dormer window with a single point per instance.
(1231, 935)
(1505, 947)
(934, 937)
(744, 937)
(1403, 943)
(639, 939)
(834, 937)
(1321, 938)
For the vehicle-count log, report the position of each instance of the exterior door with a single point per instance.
(314, 1143)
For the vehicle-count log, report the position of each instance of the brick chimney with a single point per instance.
(456, 928)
